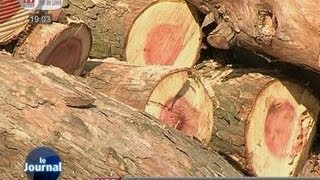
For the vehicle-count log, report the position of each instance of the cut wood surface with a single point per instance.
(94, 135)
(60, 45)
(287, 30)
(169, 94)
(109, 21)
(263, 123)
(13, 20)
(166, 33)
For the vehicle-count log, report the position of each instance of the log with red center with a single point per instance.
(278, 126)
(8, 8)
(66, 55)
(163, 44)
(180, 114)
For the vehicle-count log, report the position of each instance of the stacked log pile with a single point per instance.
(156, 108)
(95, 135)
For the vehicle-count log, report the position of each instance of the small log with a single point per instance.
(169, 94)
(287, 30)
(109, 21)
(13, 20)
(60, 45)
(94, 135)
(263, 123)
(171, 37)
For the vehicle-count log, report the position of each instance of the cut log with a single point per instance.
(171, 37)
(263, 123)
(94, 135)
(109, 20)
(169, 94)
(287, 30)
(13, 20)
(63, 46)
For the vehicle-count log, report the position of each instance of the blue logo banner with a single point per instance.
(43, 163)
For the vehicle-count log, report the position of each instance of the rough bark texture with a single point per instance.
(231, 96)
(94, 135)
(312, 166)
(170, 94)
(109, 20)
(234, 99)
(287, 30)
(129, 84)
(234, 92)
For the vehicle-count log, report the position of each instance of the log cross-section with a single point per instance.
(60, 45)
(169, 94)
(166, 33)
(265, 124)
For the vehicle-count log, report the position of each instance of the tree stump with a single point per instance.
(171, 37)
(60, 45)
(264, 124)
(13, 20)
(94, 135)
(287, 30)
(169, 94)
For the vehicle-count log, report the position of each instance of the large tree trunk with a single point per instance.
(109, 20)
(263, 123)
(287, 30)
(94, 135)
(171, 95)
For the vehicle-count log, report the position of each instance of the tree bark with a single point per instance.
(94, 135)
(312, 166)
(109, 20)
(170, 94)
(286, 30)
(60, 45)
(263, 123)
